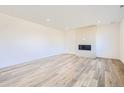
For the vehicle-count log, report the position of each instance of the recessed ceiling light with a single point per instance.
(66, 28)
(98, 21)
(48, 19)
(84, 38)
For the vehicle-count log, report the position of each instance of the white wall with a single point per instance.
(70, 42)
(122, 41)
(75, 37)
(86, 36)
(108, 41)
(21, 41)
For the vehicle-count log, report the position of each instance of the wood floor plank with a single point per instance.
(64, 70)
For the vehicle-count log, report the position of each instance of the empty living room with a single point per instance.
(61, 45)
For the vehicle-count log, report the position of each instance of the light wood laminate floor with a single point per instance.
(64, 71)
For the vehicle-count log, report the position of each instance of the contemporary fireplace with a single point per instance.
(84, 47)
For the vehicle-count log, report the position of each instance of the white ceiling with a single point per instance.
(65, 17)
